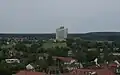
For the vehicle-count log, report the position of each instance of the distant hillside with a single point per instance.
(104, 33)
(111, 36)
(41, 36)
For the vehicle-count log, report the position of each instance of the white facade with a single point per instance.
(12, 60)
(61, 33)
(29, 67)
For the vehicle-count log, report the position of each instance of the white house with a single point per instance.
(12, 60)
(116, 54)
(29, 67)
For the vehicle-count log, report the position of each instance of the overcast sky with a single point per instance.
(44, 16)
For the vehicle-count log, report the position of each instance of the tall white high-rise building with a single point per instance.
(61, 33)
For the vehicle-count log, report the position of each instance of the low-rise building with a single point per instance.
(30, 73)
(68, 62)
(12, 60)
(92, 72)
(116, 54)
(70, 53)
(29, 67)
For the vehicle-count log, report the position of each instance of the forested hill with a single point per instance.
(111, 36)
(104, 33)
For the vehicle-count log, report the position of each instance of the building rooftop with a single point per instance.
(62, 27)
(104, 71)
(29, 73)
(64, 59)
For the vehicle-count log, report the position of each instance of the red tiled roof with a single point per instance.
(98, 71)
(105, 72)
(113, 65)
(29, 73)
(64, 59)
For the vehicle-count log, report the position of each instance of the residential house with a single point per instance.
(68, 62)
(42, 56)
(30, 73)
(12, 53)
(103, 71)
(65, 60)
(92, 49)
(53, 70)
(116, 54)
(115, 49)
(12, 60)
(29, 67)
(70, 53)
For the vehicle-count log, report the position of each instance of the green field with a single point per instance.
(53, 45)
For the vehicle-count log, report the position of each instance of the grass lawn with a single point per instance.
(50, 45)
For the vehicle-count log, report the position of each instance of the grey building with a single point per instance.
(61, 33)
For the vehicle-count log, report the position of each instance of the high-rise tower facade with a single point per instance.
(61, 33)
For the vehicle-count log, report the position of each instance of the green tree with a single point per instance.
(106, 53)
(91, 55)
(58, 51)
(4, 70)
(2, 55)
(81, 56)
(50, 60)
(69, 42)
(34, 48)
(21, 47)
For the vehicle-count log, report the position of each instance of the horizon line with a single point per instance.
(54, 33)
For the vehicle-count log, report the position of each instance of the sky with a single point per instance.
(44, 16)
